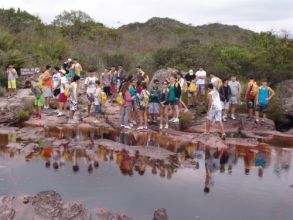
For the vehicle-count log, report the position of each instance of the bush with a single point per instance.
(2, 91)
(22, 115)
(185, 120)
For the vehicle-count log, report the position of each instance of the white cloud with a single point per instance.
(261, 15)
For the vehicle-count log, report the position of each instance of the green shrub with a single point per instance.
(2, 91)
(185, 120)
(22, 115)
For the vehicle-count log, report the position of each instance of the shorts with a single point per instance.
(201, 88)
(62, 98)
(225, 105)
(154, 108)
(107, 90)
(40, 101)
(113, 88)
(142, 108)
(261, 108)
(214, 114)
(48, 92)
(233, 100)
(189, 94)
(72, 105)
(12, 84)
(250, 104)
(98, 109)
(90, 98)
(174, 102)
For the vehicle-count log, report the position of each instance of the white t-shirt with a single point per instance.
(216, 102)
(64, 83)
(215, 81)
(56, 78)
(201, 74)
(98, 96)
(90, 82)
(181, 83)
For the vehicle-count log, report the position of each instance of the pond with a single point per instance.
(197, 182)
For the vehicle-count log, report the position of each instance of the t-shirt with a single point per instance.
(189, 77)
(235, 87)
(106, 77)
(11, 74)
(201, 73)
(47, 82)
(172, 93)
(216, 102)
(154, 95)
(90, 82)
(64, 83)
(215, 81)
(56, 78)
(181, 83)
(132, 91)
(78, 69)
(98, 96)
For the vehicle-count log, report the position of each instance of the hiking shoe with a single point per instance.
(161, 126)
(176, 120)
(262, 121)
(224, 119)
(166, 126)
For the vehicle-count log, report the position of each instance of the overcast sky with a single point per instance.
(256, 15)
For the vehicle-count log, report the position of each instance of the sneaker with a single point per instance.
(233, 117)
(60, 114)
(56, 111)
(127, 127)
(186, 110)
(161, 126)
(256, 122)
(262, 121)
(130, 124)
(122, 126)
(140, 128)
(134, 122)
(46, 107)
(172, 119)
(224, 119)
(176, 120)
(166, 126)
(145, 127)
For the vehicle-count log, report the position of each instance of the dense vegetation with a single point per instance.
(26, 41)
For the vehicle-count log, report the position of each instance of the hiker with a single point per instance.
(143, 104)
(182, 84)
(90, 85)
(251, 93)
(12, 76)
(46, 82)
(106, 81)
(201, 76)
(56, 82)
(164, 102)
(236, 91)
(77, 67)
(214, 110)
(126, 107)
(39, 100)
(141, 76)
(225, 95)
(216, 81)
(154, 105)
(66, 65)
(64, 85)
(191, 88)
(264, 95)
(72, 98)
(121, 76)
(174, 99)
(133, 111)
(113, 84)
(98, 100)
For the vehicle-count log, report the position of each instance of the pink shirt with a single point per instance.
(127, 99)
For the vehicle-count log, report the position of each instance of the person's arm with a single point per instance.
(209, 102)
(256, 97)
(272, 93)
(15, 73)
(247, 90)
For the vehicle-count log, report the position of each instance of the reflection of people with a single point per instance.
(75, 166)
(260, 162)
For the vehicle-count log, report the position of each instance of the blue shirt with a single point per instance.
(263, 95)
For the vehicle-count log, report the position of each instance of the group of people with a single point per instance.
(150, 101)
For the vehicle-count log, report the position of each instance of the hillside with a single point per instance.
(160, 42)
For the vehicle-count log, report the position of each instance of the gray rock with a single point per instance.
(105, 214)
(48, 205)
(6, 210)
(160, 214)
(75, 211)
(163, 74)
(14, 145)
(284, 91)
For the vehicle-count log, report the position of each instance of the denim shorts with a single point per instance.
(250, 104)
(261, 108)
(174, 102)
(98, 109)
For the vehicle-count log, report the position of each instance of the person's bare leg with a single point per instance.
(177, 111)
(145, 118)
(222, 127)
(264, 116)
(256, 115)
(39, 109)
(141, 118)
(208, 126)
(233, 108)
(161, 115)
(89, 110)
(165, 112)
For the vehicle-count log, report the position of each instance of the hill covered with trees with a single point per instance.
(160, 42)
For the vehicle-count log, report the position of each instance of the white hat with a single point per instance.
(69, 59)
(190, 72)
(63, 71)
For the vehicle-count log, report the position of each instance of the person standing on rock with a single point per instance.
(141, 76)
(154, 108)
(174, 99)
(121, 77)
(47, 85)
(64, 84)
(181, 82)
(113, 84)
(90, 85)
(201, 76)
(164, 102)
(214, 110)
(264, 95)
(72, 98)
(106, 81)
(126, 107)
(56, 82)
(251, 93)
(235, 94)
(225, 95)
(190, 78)
(39, 101)
(12, 76)
(143, 104)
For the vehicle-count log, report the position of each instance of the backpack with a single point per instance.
(144, 99)
(66, 91)
(103, 98)
(120, 99)
(185, 86)
(192, 88)
(254, 89)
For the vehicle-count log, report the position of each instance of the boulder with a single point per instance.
(160, 214)
(75, 211)
(6, 210)
(105, 214)
(284, 92)
(163, 74)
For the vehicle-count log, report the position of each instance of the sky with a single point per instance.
(255, 15)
